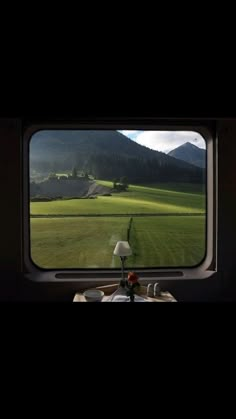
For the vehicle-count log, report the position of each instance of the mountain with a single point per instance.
(190, 153)
(106, 154)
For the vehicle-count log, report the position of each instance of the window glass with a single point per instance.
(92, 188)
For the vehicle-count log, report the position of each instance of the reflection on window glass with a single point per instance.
(92, 188)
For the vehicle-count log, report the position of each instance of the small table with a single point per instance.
(164, 296)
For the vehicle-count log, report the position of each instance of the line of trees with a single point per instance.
(141, 170)
(110, 166)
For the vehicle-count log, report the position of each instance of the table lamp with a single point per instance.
(123, 250)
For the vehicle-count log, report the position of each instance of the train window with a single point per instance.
(89, 187)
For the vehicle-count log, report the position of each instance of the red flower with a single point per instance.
(132, 277)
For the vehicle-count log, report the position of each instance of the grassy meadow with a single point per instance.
(165, 225)
(137, 200)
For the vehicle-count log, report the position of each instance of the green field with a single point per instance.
(87, 238)
(167, 241)
(167, 186)
(137, 200)
(76, 242)
(89, 242)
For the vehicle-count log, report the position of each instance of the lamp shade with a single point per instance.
(122, 249)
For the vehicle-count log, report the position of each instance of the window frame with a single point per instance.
(92, 276)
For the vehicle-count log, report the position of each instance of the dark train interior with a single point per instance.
(19, 284)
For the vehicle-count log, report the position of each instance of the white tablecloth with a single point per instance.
(120, 296)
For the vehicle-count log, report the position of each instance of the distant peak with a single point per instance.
(189, 144)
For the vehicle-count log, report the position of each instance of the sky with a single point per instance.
(165, 141)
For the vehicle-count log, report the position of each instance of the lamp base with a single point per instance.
(123, 283)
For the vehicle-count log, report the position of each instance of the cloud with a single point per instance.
(130, 133)
(166, 141)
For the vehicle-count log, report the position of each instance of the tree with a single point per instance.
(115, 181)
(124, 181)
(74, 173)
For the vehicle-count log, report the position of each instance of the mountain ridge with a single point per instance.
(106, 154)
